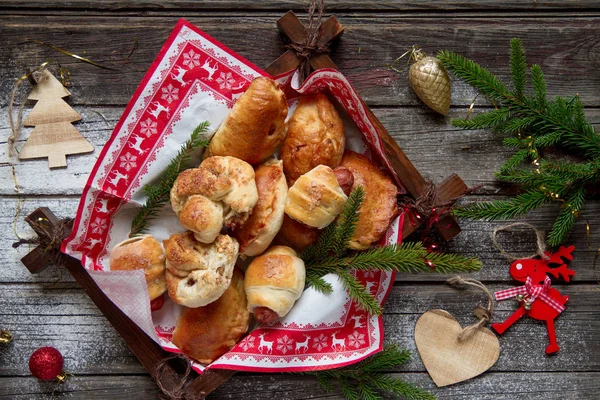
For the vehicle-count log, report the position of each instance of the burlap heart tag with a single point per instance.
(447, 359)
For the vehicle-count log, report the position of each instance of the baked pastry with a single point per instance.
(273, 283)
(264, 223)
(316, 198)
(296, 235)
(255, 126)
(220, 192)
(142, 252)
(205, 333)
(379, 207)
(315, 136)
(198, 273)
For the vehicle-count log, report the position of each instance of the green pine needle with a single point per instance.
(503, 209)
(369, 379)
(518, 67)
(539, 86)
(474, 74)
(566, 218)
(359, 293)
(157, 195)
(532, 123)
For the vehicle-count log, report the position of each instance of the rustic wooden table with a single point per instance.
(50, 309)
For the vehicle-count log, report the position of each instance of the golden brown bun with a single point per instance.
(198, 273)
(316, 198)
(266, 219)
(221, 191)
(275, 280)
(296, 235)
(315, 136)
(380, 205)
(205, 333)
(142, 252)
(255, 126)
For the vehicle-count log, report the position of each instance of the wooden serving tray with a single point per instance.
(150, 354)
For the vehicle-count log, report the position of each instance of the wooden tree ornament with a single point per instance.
(53, 136)
(295, 32)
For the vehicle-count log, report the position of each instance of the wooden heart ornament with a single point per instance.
(449, 360)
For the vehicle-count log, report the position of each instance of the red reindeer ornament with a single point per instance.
(537, 299)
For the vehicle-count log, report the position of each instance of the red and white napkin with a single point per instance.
(195, 78)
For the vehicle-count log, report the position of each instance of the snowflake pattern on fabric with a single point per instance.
(225, 80)
(356, 339)
(247, 343)
(191, 59)
(284, 344)
(320, 342)
(99, 225)
(128, 161)
(170, 93)
(148, 127)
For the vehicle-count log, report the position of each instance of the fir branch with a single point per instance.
(518, 67)
(157, 195)
(566, 218)
(474, 74)
(359, 293)
(503, 209)
(368, 379)
(515, 160)
(534, 122)
(316, 281)
(539, 86)
(493, 120)
(347, 221)
(406, 257)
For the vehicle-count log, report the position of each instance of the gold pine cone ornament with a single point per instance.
(430, 81)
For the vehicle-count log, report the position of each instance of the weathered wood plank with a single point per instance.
(331, 5)
(430, 142)
(62, 316)
(492, 385)
(569, 59)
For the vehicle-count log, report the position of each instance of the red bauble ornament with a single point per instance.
(46, 363)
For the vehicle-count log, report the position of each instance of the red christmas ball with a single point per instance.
(46, 363)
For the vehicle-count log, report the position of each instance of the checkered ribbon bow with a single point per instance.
(531, 291)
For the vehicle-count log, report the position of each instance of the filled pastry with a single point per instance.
(273, 283)
(145, 253)
(255, 126)
(380, 204)
(267, 216)
(207, 332)
(316, 198)
(198, 273)
(315, 137)
(220, 192)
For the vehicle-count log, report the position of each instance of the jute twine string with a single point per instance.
(178, 392)
(310, 46)
(50, 242)
(484, 314)
(16, 124)
(540, 241)
(427, 203)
